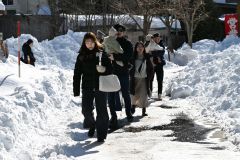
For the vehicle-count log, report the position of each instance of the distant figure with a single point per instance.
(157, 52)
(3, 50)
(151, 45)
(28, 56)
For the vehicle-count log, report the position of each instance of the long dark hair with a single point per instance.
(90, 35)
(135, 53)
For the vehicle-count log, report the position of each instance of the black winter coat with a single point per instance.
(27, 51)
(85, 70)
(150, 73)
(125, 57)
(160, 54)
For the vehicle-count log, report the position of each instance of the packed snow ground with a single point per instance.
(40, 118)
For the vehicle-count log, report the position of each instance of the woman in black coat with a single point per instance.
(140, 76)
(88, 70)
(28, 54)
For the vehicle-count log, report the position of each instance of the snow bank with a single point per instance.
(213, 80)
(61, 51)
(29, 106)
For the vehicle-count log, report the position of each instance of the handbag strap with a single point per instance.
(100, 58)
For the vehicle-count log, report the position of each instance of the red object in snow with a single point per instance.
(231, 24)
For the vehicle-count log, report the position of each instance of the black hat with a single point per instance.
(29, 41)
(119, 27)
(156, 35)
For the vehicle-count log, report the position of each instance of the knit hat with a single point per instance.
(112, 31)
(119, 27)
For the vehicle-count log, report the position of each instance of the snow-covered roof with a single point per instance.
(44, 10)
(2, 6)
(219, 1)
(127, 20)
(223, 2)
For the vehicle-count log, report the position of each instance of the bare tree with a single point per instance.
(168, 17)
(145, 8)
(191, 12)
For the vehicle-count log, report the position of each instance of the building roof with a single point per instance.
(224, 2)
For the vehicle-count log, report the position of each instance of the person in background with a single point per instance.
(88, 71)
(158, 62)
(123, 75)
(28, 56)
(140, 76)
(3, 49)
(161, 42)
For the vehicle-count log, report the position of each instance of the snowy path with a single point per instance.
(167, 133)
(49, 126)
(144, 139)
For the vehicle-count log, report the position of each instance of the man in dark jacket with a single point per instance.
(122, 71)
(28, 56)
(159, 62)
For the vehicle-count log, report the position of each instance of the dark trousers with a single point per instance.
(113, 98)
(102, 119)
(160, 74)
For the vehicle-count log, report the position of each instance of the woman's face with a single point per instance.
(89, 44)
(140, 49)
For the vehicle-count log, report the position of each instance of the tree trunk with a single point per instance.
(169, 41)
(189, 29)
(145, 29)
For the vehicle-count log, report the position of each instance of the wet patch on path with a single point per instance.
(184, 130)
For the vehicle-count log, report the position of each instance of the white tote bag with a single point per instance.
(109, 83)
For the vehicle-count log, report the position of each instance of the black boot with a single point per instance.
(113, 124)
(144, 112)
(91, 132)
(101, 140)
(133, 109)
(129, 118)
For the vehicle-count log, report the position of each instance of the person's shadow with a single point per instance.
(123, 122)
(81, 148)
(76, 150)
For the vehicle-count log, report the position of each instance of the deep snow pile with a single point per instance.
(30, 106)
(61, 51)
(213, 80)
(33, 108)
